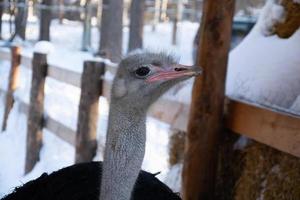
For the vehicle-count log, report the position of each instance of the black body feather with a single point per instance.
(82, 182)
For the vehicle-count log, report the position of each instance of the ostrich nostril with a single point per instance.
(177, 69)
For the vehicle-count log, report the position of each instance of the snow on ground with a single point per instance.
(12, 150)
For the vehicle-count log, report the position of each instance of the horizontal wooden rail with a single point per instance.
(64, 75)
(278, 130)
(26, 61)
(5, 55)
(65, 133)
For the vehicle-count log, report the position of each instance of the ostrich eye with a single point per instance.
(142, 71)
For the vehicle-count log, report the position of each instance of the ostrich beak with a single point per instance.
(174, 72)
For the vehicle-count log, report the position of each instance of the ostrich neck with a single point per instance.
(124, 151)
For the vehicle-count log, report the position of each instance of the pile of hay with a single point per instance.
(256, 172)
(268, 174)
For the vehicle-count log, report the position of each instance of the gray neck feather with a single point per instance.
(124, 151)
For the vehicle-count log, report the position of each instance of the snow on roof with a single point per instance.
(265, 69)
(271, 14)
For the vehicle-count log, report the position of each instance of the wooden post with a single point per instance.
(206, 114)
(91, 89)
(13, 82)
(36, 109)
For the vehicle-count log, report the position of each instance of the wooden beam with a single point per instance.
(5, 54)
(26, 61)
(171, 112)
(278, 130)
(91, 89)
(205, 123)
(64, 75)
(13, 82)
(60, 130)
(36, 111)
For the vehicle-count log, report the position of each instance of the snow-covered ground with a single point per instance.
(262, 69)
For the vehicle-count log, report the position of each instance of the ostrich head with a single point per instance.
(143, 77)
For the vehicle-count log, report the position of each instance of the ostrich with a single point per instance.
(141, 78)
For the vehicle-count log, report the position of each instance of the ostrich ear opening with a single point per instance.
(119, 88)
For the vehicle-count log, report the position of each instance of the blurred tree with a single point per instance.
(111, 30)
(177, 18)
(1, 13)
(163, 10)
(45, 20)
(86, 37)
(156, 14)
(136, 24)
(21, 19)
(61, 11)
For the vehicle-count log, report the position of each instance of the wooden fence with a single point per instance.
(276, 129)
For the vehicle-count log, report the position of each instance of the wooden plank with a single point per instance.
(64, 75)
(206, 117)
(26, 62)
(171, 112)
(5, 55)
(277, 130)
(63, 132)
